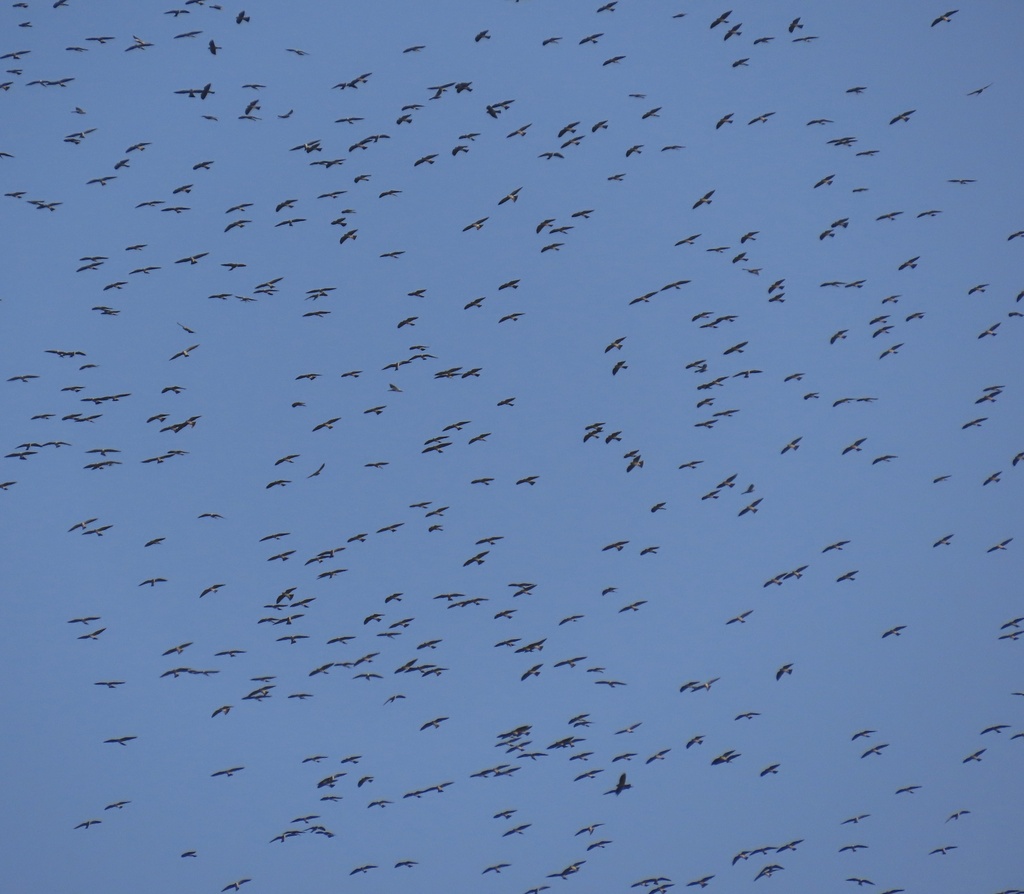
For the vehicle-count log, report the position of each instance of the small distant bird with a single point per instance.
(903, 116)
(704, 199)
(620, 786)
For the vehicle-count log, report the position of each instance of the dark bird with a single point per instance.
(903, 116)
(620, 786)
(704, 199)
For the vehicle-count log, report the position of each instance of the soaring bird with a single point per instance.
(620, 786)
(704, 199)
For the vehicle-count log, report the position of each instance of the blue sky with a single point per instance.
(697, 339)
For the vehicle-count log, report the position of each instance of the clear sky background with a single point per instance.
(165, 378)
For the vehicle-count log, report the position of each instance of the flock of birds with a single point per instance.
(199, 406)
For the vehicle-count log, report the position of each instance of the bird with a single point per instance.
(751, 507)
(231, 771)
(620, 786)
(945, 17)
(839, 544)
(768, 870)
(704, 199)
